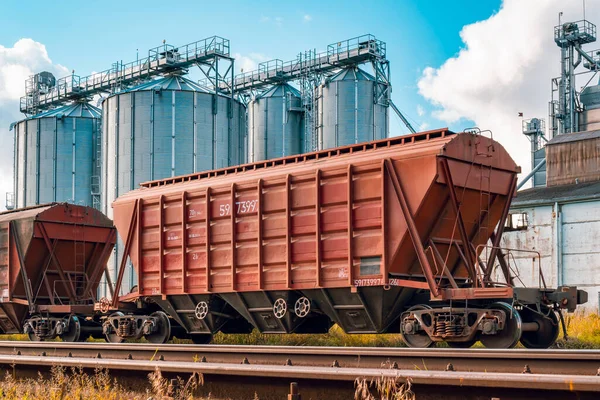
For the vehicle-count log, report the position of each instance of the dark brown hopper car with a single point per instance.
(51, 260)
(398, 235)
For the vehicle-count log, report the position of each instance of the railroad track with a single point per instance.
(561, 362)
(544, 371)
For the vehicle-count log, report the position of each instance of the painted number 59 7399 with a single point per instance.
(242, 207)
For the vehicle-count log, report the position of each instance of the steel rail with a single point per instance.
(567, 362)
(549, 382)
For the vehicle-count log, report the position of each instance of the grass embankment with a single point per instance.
(74, 384)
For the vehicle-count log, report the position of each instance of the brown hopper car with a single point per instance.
(398, 235)
(51, 260)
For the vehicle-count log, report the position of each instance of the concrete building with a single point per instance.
(561, 221)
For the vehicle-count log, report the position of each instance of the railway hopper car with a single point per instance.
(51, 259)
(397, 235)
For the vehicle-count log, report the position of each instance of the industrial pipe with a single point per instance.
(533, 171)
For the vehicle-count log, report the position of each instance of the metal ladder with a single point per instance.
(79, 260)
(485, 200)
(97, 170)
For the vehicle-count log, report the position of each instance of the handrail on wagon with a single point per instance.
(509, 254)
(336, 151)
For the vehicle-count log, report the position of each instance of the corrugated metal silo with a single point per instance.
(165, 127)
(275, 124)
(347, 111)
(55, 155)
(589, 119)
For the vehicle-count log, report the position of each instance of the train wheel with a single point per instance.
(163, 329)
(420, 339)
(461, 345)
(548, 330)
(201, 338)
(33, 337)
(113, 337)
(508, 337)
(73, 332)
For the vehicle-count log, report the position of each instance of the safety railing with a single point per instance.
(158, 58)
(514, 268)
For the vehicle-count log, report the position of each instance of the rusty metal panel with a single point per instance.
(574, 158)
(316, 220)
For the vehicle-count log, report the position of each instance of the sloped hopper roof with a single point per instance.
(74, 110)
(351, 74)
(79, 109)
(280, 90)
(172, 82)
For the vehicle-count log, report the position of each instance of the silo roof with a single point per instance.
(171, 82)
(280, 90)
(351, 74)
(78, 109)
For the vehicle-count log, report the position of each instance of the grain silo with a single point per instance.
(55, 155)
(348, 111)
(275, 126)
(165, 127)
(589, 118)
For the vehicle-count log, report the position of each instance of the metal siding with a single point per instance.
(274, 130)
(21, 160)
(184, 133)
(204, 129)
(221, 148)
(84, 158)
(64, 159)
(347, 114)
(47, 160)
(31, 163)
(163, 120)
(580, 238)
(124, 144)
(142, 135)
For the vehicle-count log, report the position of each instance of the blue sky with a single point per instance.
(90, 36)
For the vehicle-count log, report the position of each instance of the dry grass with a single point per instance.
(74, 384)
(383, 388)
(583, 332)
(335, 337)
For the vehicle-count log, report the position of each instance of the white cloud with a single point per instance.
(248, 62)
(278, 21)
(307, 18)
(420, 110)
(423, 127)
(26, 57)
(504, 68)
